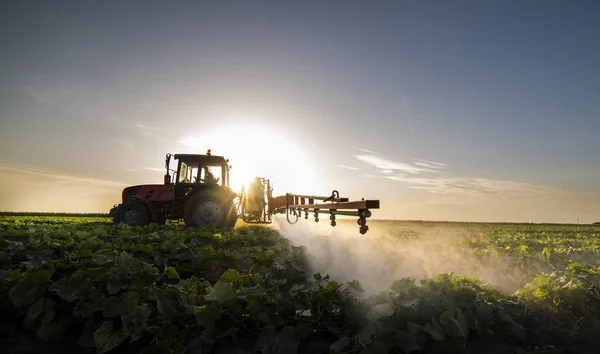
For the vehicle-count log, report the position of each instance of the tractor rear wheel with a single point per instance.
(135, 214)
(206, 211)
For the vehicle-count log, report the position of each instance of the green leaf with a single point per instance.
(452, 326)
(73, 288)
(110, 306)
(34, 313)
(230, 276)
(538, 282)
(380, 311)
(134, 323)
(128, 303)
(376, 348)
(339, 345)
(367, 332)
(265, 339)
(304, 329)
(50, 311)
(29, 289)
(206, 315)
(160, 348)
(166, 302)
(55, 330)
(107, 338)
(355, 284)
(209, 252)
(483, 319)
(172, 273)
(332, 286)
(418, 333)
(221, 292)
(435, 330)
(86, 338)
(406, 342)
(511, 327)
(287, 341)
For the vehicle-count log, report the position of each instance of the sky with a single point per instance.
(463, 110)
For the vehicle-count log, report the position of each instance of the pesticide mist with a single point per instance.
(380, 257)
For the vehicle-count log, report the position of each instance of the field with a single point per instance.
(81, 284)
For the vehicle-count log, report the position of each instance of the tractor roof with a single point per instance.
(210, 159)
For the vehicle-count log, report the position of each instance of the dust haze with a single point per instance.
(381, 256)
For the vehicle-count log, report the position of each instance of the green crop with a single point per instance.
(170, 289)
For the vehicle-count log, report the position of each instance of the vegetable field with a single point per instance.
(81, 284)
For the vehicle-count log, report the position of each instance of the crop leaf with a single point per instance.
(452, 326)
(206, 315)
(339, 345)
(134, 322)
(55, 330)
(435, 330)
(29, 288)
(172, 273)
(86, 338)
(230, 276)
(221, 292)
(111, 306)
(107, 338)
(355, 284)
(406, 342)
(380, 311)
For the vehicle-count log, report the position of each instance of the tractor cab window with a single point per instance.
(188, 173)
(211, 174)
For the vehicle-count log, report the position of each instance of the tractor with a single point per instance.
(197, 190)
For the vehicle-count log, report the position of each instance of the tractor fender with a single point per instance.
(223, 194)
(148, 205)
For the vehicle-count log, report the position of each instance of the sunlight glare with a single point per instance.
(258, 150)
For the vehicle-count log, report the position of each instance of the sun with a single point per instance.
(259, 150)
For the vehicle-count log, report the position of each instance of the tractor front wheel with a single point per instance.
(206, 211)
(135, 214)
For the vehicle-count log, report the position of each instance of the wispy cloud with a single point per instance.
(348, 167)
(426, 175)
(39, 95)
(365, 150)
(126, 143)
(428, 164)
(151, 128)
(474, 186)
(22, 169)
(389, 165)
(405, 105)
(154, 169)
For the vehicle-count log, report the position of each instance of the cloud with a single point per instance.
(384, 164)
(428, 164)
(151, 128)
(23, 169)
(365, 150)
(29, 188)
(405, 105)
(348, 167)
(475, 186)
(125, 143)
(154, 169)
(425, 175)
(39, 95)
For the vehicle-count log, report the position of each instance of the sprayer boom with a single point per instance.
(293, 205)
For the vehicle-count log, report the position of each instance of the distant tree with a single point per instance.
(596, 223)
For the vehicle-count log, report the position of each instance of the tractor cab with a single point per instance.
(198, 169)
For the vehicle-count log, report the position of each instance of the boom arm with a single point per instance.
(295, 204)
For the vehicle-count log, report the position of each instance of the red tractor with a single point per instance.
(198, 192)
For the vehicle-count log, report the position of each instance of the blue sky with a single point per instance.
(493, 92)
